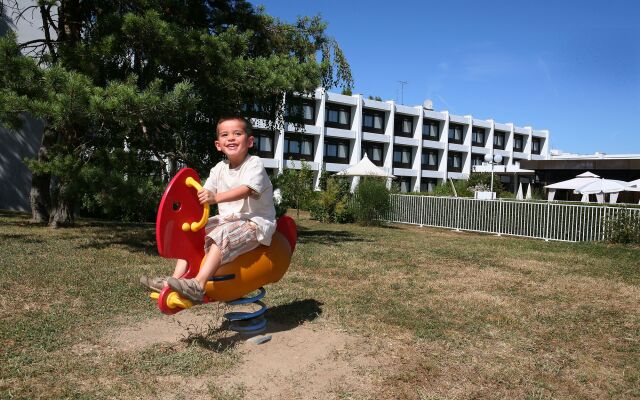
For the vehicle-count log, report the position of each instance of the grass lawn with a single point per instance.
(448, 315)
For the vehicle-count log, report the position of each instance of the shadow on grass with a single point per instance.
(279, 319)
(20, 238)
(136, 238)
(322, 236)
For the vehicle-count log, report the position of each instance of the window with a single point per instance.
(402, 157)
(535, 145)
(478, 137)
(298, 147)
(336, 151)
(518, 143)
(428, 184)
(403, 125)
(259, 110)
(455, 133)
(430, 159)
(405, 184)
(498, 140)
(338, 116)
(374, 152)
(430, 130)
(303, 110)
(263, 143)
(373, 121)
(477, 159)
(454, 161)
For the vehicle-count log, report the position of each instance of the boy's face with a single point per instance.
(233, 140)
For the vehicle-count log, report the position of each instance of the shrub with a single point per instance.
(484, 179)
(332, 204)
(371, 201)
(623, 227)
(296, 187)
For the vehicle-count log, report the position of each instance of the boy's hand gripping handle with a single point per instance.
(196, 226)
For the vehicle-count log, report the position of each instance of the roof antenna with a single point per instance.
(402, 83)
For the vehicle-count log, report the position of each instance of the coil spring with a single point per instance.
(248, 322)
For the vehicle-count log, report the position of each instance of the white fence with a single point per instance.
(549, 221)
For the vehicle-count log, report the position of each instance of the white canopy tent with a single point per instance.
(365, 168)
(571, 184)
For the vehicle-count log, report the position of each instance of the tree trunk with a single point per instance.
(40, 197)
(62, 206)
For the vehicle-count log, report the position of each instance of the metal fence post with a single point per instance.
(546, 229)
(457, 200)
(499, 230)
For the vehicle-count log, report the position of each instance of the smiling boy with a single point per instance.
(246, 213)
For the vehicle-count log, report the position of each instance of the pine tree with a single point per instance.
(130, 90)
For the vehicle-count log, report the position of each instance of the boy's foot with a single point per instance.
(155, 283)
(189, 288)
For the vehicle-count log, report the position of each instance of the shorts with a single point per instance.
(232, 238)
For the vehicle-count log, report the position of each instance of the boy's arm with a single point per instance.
(239, 193)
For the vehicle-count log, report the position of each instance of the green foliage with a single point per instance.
(376, 98)
(372, 201)
(296, 187)
(623, 227)
(445, 189)
(332, 204)
(152, 78)
(483, 179)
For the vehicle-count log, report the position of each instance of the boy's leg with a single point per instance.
(210, 266)
(180, 269)
(157, 283)
(193, 289)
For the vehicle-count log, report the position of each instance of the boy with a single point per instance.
(246, 214)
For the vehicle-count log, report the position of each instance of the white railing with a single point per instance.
(549, 221)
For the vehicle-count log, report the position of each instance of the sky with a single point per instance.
(571, 67)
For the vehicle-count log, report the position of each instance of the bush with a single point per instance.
(623, 227)
(332, 204)
(445, 189)
(296, 187)
(371, 202)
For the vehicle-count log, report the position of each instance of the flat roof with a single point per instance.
(583, 164)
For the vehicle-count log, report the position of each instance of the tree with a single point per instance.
(149, 80)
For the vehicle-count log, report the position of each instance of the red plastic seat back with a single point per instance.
(287, 227)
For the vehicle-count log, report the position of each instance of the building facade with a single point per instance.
(418, 145)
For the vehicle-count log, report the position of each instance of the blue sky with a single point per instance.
(572, 67)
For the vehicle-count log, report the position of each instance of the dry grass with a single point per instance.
(448, 315)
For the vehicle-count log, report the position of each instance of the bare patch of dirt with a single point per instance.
(308, 361)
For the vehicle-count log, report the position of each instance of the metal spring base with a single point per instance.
(248, 322)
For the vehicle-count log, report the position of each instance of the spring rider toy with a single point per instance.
(180, 234)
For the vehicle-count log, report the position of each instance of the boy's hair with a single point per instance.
(247, 124)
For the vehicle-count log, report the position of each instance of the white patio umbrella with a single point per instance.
(602, 186)
(365, 168)
(528, 195)
(519, 195)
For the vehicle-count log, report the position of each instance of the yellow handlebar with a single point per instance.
(196, 226)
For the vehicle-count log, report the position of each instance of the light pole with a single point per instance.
(492, 159)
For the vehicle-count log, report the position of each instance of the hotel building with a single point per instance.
(418, 145)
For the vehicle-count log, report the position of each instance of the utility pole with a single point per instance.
(402, 83)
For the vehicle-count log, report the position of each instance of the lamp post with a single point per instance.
(492, 159)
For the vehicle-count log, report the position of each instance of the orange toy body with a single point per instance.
(180, 234)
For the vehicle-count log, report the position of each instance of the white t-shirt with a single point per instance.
(258, 207)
